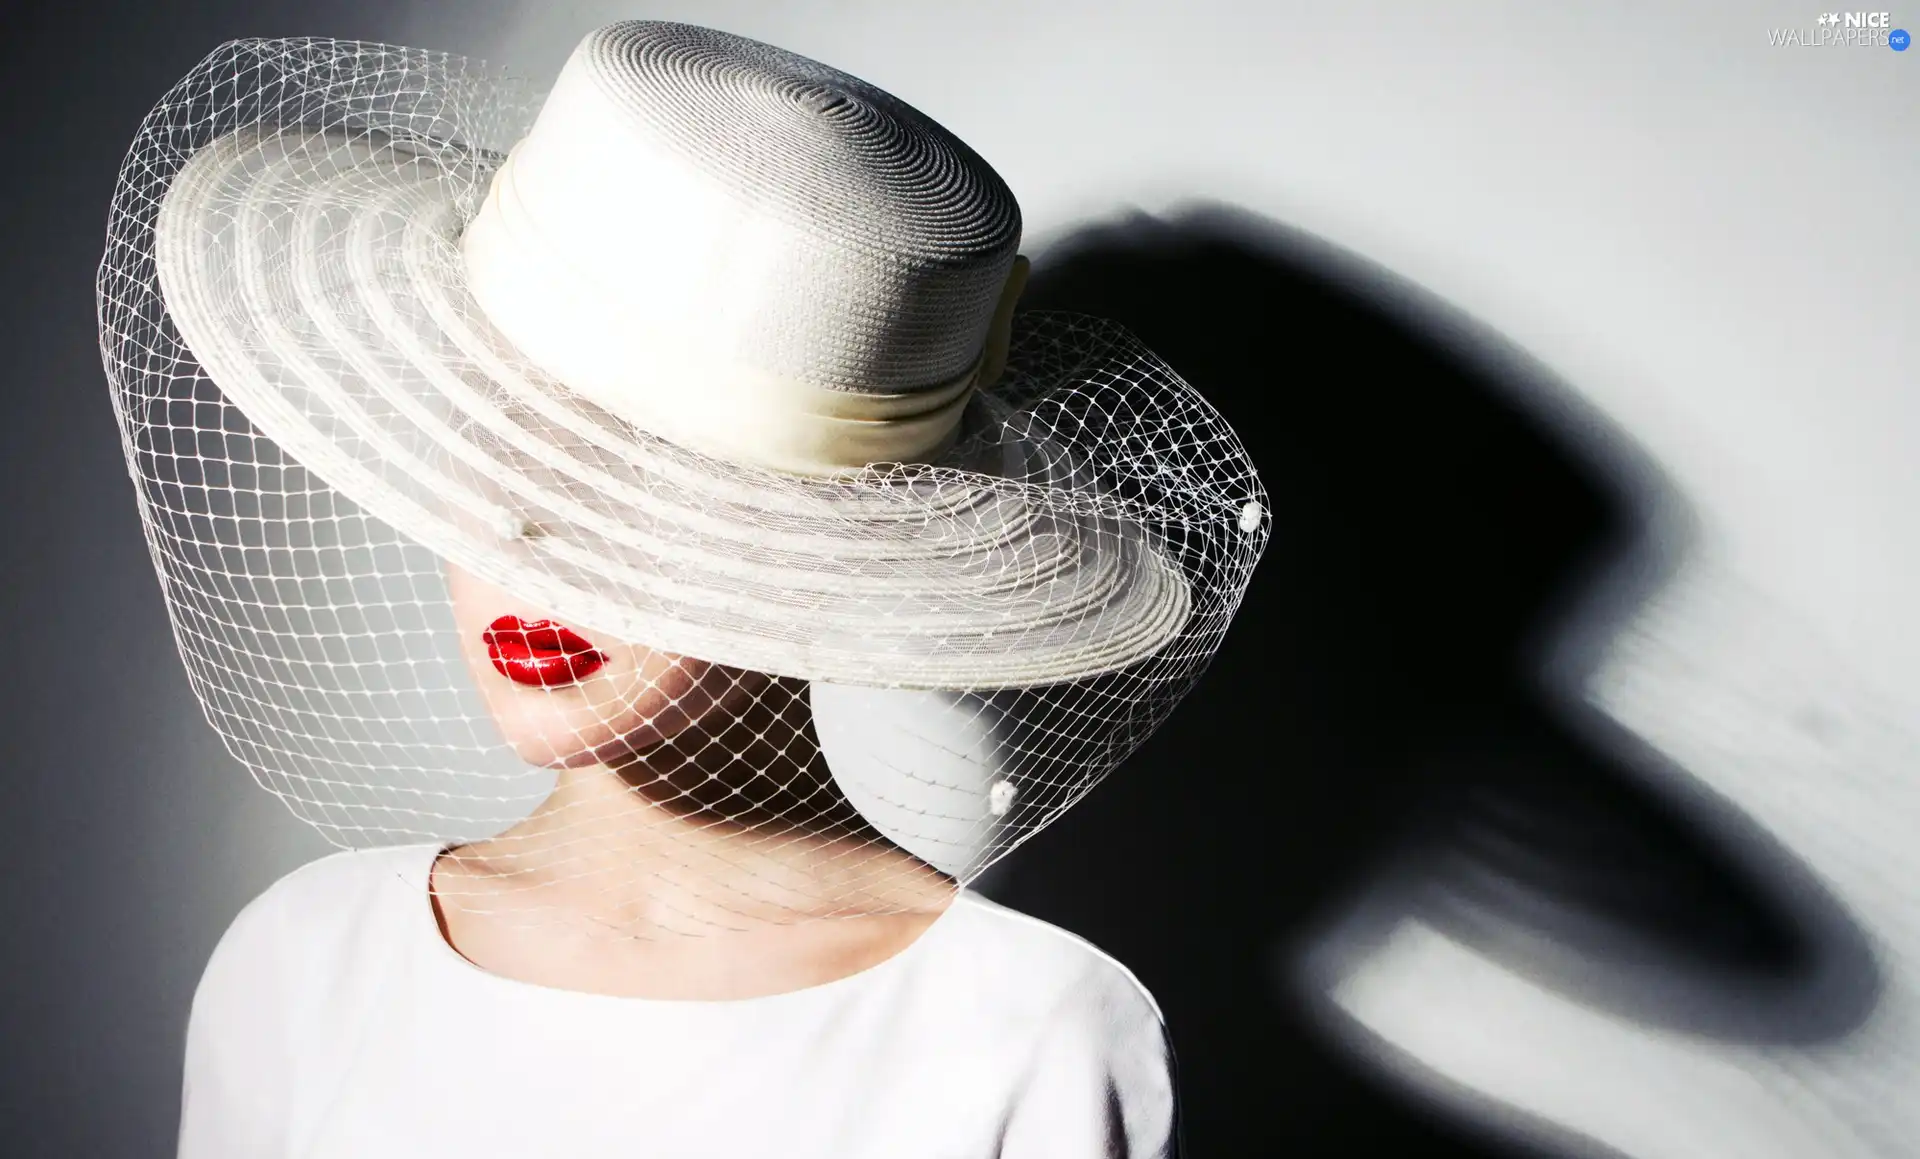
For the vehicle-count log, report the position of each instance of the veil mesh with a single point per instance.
(831, 724)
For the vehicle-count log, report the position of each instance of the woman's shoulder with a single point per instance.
(294, 971)
(1095, 1062)
(347, 877)
(341, 887)
(1040, 970)
(323, 912)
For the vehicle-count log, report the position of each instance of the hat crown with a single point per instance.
(695, 210)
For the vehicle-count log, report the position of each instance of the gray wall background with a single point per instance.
(1697, 247)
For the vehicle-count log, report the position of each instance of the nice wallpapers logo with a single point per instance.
(1846, 30)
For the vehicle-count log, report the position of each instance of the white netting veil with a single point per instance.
(646, 491)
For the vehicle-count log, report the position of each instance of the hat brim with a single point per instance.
(315, 276)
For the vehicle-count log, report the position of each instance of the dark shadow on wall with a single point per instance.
(1441, 508)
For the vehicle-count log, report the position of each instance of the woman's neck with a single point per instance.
(598, 890)
(623, 850)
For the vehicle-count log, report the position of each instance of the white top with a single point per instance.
(334, 1022)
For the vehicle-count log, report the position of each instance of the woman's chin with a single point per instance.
(583, 753)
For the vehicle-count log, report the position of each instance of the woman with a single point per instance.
(658, 556)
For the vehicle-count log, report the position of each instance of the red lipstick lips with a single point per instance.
(540, 652)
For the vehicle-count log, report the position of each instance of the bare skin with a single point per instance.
(691, 800)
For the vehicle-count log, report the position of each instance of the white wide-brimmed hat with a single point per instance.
(711, 350)
(703, 361)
